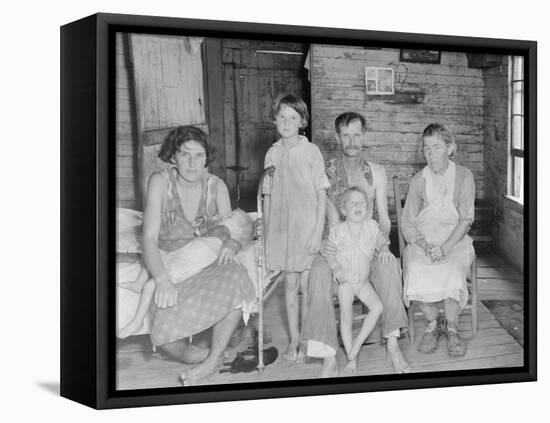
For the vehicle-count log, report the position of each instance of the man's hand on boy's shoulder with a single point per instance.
(385, 254)
(328, 248)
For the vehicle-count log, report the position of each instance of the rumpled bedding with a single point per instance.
(129, 266)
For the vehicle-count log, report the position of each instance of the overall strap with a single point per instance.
(367, 172)
(201, 212)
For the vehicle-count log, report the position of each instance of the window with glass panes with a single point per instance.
(515, 166)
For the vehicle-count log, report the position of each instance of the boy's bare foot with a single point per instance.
(195, 374)
(351, 366)
(330, 368)
(399, 363)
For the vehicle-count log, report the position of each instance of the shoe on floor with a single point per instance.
(430, 340)
(455, 345)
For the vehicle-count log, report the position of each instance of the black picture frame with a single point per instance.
(420, 56)
(88, 212)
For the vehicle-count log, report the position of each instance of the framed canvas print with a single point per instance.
(259, 211)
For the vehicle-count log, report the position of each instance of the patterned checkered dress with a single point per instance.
(208, 297)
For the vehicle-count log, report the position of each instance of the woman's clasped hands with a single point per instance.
(435, 252)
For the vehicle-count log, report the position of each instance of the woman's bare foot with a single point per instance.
(399, 363)
(330, 368)
(195, 374)
(351, 366)
(129, 329)
(193, 354)
(182, 351)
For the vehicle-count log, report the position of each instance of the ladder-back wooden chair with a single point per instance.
(471, 280)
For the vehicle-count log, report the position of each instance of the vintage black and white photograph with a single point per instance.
(290, 211)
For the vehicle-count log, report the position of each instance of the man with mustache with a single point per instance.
(351, 168)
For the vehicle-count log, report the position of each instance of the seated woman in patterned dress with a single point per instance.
(177, 199)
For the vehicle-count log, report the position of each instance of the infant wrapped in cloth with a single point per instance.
(201, 252)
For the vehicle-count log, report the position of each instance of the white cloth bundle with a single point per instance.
(181, 264)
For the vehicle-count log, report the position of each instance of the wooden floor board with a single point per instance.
(499, 273)
(492, 347)
(491, 260)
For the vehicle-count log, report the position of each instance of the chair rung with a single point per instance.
(419, 312)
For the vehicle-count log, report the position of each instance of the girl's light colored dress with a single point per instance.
(434, 207)
(299, 174)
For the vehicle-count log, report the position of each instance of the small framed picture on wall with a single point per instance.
(379, 81)
(420, 56)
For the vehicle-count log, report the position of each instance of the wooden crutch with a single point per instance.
(261, 267)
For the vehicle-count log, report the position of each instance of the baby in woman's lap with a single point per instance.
(190, 260)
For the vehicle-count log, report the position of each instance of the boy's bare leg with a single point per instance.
(368, 296)
(304, 282)
(345, 299)
(220, 338)
(144, 302)
(291, 300)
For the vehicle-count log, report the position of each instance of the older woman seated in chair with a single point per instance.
(437, 216)
(178, 199)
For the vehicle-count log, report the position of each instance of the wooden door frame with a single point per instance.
(214, 94)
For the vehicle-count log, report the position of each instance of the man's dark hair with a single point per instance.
(346, 118)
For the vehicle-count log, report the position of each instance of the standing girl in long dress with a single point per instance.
(294, 207)
(437, 216)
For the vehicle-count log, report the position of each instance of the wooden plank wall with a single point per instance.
(507, 229)
(258, 78)
(448, 93)
(168, 72)
(169, 89)
(171, 96)
(126, 136)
